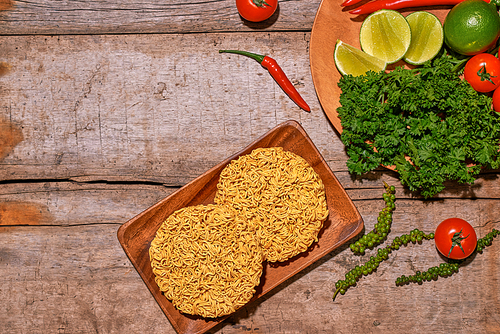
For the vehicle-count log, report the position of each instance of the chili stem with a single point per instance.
(255, 56)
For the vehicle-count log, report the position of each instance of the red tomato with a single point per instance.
(483, 72)
(496, 100)
(256, 10)
(455, 238)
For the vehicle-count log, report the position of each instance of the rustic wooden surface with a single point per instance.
(107, 107)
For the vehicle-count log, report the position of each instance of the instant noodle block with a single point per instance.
(342, 223)
(206, 260)
(280, 195)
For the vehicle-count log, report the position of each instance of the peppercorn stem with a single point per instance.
(352, 276)
(335, 294)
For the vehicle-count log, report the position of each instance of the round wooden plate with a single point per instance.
(333, 22)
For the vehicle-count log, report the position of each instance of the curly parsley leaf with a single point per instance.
(427, 122)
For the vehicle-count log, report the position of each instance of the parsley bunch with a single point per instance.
(427, 122)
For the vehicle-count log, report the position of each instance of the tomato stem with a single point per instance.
(483, 74)
(261, 3)
(456, 240)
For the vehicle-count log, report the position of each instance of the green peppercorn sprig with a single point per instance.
(445, 269)
(353, 276)
(486, 240)
(382, 227)
(379, 234)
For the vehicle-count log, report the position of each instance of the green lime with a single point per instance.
(426, 37)
(471, 27)
(350, 60)
(385, 34)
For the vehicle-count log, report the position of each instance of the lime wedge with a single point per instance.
(385, 34)
(426, 37)
(350, 60)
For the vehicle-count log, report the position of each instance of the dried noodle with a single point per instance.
(280, 194)
(206, 260)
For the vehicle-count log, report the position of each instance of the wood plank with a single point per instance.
(130, 108)
(52, 17)
(77, 279)
(72, 280)
(73, 203)
(127, 109)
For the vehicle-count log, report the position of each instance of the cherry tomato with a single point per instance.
(455, 238)
(496, 100)
(256, 10)
(483, 72)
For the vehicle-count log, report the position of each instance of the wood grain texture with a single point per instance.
(75, 203)
(96, 17)
(72, 280)
(77, 279)
(108, 107)
(161, 109)
(126, 109)
(10, 136)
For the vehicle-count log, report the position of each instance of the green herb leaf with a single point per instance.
(427, 114)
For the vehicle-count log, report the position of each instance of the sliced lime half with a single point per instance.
(426, 37)
(385, 34)
(350, 60)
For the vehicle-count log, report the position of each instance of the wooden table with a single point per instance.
(106, 107)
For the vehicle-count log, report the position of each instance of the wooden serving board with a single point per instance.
(343, 223)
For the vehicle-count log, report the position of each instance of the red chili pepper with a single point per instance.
(277, 73)
(350, 2)
(373, 6)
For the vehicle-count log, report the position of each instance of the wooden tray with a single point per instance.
(333, 22)
(342, 224)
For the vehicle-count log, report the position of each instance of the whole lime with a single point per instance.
(471, 27)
